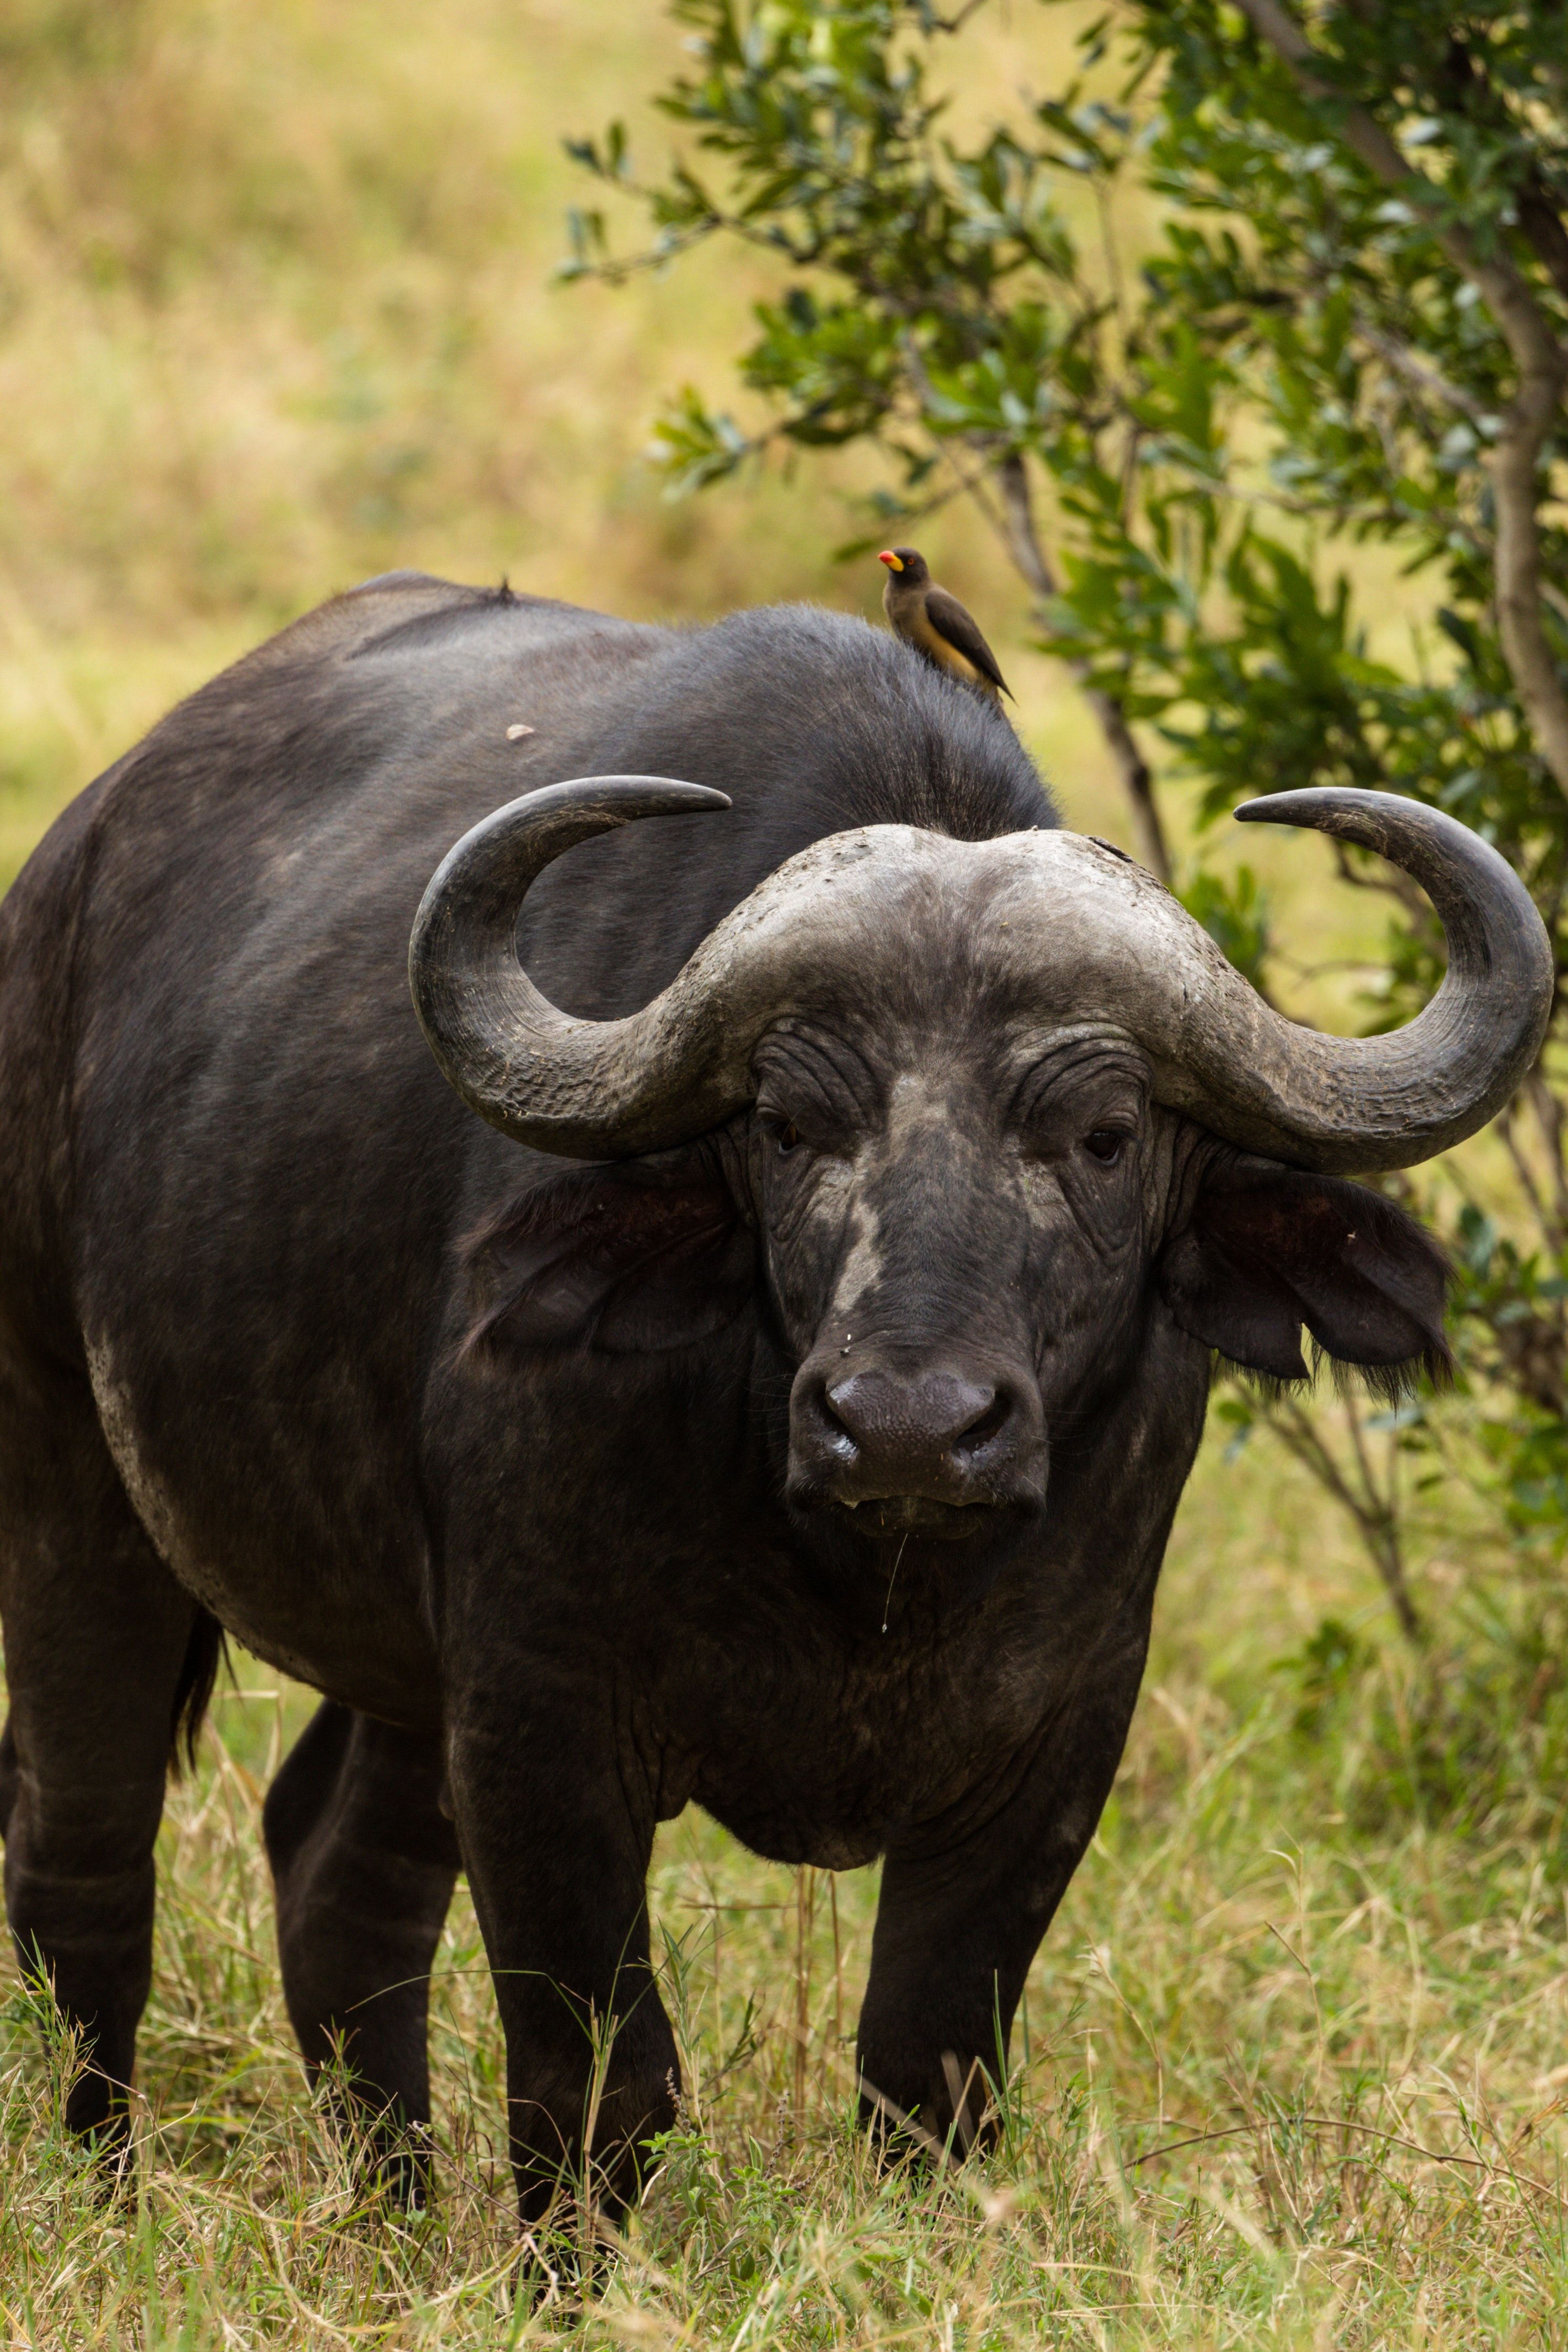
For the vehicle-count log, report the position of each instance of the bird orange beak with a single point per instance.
(891, 561)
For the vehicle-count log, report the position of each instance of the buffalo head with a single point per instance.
(990, 1109)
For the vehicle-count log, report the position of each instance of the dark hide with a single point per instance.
(818, 1473)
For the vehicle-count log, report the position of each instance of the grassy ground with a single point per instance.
(272, 316)
(1294, 2067)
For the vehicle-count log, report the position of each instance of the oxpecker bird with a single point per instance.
(936, 624)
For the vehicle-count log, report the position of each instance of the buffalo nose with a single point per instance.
(912, 1423)
(918, 1447)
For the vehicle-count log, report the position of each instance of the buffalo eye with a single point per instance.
(1104, 1143)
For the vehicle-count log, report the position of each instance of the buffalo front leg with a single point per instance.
(558, 1862)
(960, 1918)
(363, 1862)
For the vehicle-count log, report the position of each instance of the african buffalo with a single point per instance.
(776, 1400)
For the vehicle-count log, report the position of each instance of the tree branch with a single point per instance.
(1419, 370)
(1137, 780)
(1375, 1517)
(1021, 539)
(1390, 879)
(1541, 365)
(1468, 89)
(1542, 224)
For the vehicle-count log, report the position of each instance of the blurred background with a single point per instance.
(278, 311)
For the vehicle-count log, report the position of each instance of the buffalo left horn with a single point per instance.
(1348, 1104)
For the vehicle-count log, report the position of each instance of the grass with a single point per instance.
(274, 315)
(1292, 2068)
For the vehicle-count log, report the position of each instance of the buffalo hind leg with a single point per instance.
(100, 1641)
(364, 1862)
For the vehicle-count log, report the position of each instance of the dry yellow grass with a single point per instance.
(1293, 2070)
(274, 315)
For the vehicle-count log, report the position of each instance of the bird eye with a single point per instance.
(1105, 1144)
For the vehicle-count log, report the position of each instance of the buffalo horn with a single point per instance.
(1073, 935)
(1340, 1105)
(579, 1087)
(682, 1065)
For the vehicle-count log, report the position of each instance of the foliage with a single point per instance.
(1294, 346)
(1345, 327)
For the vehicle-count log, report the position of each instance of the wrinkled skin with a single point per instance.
(817, 1472)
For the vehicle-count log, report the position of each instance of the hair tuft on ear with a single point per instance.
(1392, 1382)
(1272, 1387)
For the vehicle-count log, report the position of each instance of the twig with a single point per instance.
(805, 1909)
(1391, 881)
(956, 23)
(1549, 1118)
(1418, 370)
(838, 1961)
(1523, 1171)
(1368, 2131)
(1015, 525)
(1374, 1516)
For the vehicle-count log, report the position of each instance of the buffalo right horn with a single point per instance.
(561, 1084)
(598, 1089)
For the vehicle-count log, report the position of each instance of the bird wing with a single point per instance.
(958, 625)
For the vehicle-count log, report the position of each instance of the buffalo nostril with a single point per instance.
(985, 1426)
(841, 1430)
(831, 1408)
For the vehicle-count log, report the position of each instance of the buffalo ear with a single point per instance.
(1267, 1249)
(626, 1260)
